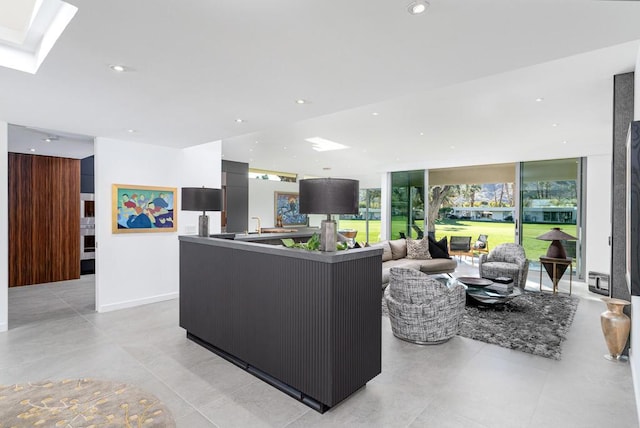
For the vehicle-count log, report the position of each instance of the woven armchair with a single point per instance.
(422, 309)
(507, 260)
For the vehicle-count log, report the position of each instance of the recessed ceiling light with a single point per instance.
(538, 100)
(417, 7)
(117, 67)
(554, 124)
(238, 120)
(131, 131)
(324, 145)
(32, 150)
(301, 101)
(375, 113)
(564, 142)
(422, 133)
(453, 147)
(285, 147)
(250, 150)
(50, 138)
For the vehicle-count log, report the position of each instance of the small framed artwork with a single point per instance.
(287, 210)
(143, 209)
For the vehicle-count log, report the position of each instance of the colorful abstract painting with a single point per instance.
(287, 209)
(143, 209)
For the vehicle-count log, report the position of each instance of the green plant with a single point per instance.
(313, 244)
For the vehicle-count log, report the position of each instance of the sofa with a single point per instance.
(395, 255)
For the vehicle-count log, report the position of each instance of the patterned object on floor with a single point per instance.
(534, 322)
(80, 403)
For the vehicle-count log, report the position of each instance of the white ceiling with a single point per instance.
(466, 74)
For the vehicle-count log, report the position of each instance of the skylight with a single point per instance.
(29, 29)
(323, 145)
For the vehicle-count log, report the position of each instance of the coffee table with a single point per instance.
(486, 292)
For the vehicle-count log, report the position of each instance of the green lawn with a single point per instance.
(498, 232)
(359, 225)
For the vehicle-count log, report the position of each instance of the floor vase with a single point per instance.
(615, 327)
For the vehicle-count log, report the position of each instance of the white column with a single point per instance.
(385, 212)
(4, 227)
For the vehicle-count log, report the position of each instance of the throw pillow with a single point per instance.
(386, 250)
(398, 248)
(418, 249)
(479, 244)
(439, 249)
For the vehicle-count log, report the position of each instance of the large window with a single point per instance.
(550, 197)
(367, 221)
(263, 174)
(407, 204)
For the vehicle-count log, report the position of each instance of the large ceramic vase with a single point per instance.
(615, 326)
(556, 251)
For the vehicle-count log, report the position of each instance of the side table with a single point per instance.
(555, 263)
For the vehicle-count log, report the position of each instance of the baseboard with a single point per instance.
(635, 379)
(137, 302)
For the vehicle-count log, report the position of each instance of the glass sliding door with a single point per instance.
(407, 204)
(367, 222)
(550, 196)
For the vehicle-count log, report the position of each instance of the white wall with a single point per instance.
(598, 227)
(262, 200)
(4, 227)
(138, 268)
(201, 166)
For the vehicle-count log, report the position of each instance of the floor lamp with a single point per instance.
(202, 199)
(329, 196)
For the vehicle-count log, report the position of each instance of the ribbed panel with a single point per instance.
(314, 326)
(356, 325)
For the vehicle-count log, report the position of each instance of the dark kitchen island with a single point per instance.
(307, 322)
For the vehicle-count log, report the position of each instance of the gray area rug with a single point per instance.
(534, 322)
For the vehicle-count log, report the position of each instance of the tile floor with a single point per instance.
(54, 333)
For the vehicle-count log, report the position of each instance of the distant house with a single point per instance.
(536, 214)
(483, 213)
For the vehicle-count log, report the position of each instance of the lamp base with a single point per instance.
(328, 235)
(203, 226)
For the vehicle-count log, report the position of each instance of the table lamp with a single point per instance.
(202, 199)
(556, 250)
(329, 196)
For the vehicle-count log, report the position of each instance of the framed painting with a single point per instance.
(143, 209)
(287, 209)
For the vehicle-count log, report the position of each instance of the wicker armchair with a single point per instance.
(422, 309)
(507, 260)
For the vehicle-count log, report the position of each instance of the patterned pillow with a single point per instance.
(418, 249)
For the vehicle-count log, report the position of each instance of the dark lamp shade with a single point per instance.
(329, 196)
(556, 234)
(201, 199)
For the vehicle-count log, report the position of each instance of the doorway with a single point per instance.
(51, 269)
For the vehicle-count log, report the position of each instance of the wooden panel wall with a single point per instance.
(44, 219)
